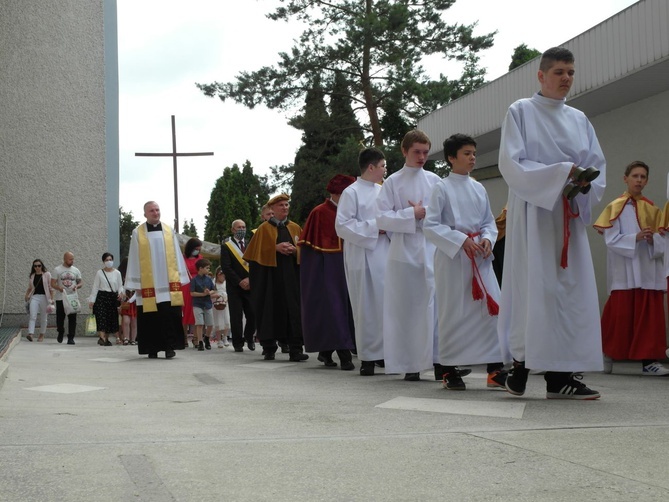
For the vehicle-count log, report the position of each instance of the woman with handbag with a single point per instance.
(105, 299)
(38, 299)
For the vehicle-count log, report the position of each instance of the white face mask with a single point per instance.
(195, 252)
(109, 263)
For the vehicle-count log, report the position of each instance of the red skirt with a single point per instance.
(633, 325)
(187, 309)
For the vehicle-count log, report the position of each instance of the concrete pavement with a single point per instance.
(90, 423)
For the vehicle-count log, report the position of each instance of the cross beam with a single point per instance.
(174, 154)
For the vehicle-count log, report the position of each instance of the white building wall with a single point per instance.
(52, 141)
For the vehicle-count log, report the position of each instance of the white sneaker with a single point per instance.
(655, 369)
(608, 365)
(226, 343)
(220, 344)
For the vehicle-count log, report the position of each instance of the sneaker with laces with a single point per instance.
(453, 381)
(516, 381)
(497, 379)
(655, 369)
(220, 344)
(572, 388)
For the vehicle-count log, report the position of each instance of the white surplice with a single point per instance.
(409, 311)
(631, 264)
(365, 255)
(158, 265)
(459, 208)
(549, 313)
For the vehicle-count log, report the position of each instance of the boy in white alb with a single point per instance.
(365, 255)
(409, 313)
(549, 307)
(460, 224)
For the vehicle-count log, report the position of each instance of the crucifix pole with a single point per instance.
(174, 169)
(174, 156)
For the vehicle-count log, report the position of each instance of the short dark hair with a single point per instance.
(453, 143)
(554, 54)
(637, 163)
(414, 136)
(201, 263)
(192, 243)
(369, 156)
(107, 255)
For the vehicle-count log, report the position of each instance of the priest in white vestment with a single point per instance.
(156, 271)
(549, 307)
(365, 256)
(409, 312)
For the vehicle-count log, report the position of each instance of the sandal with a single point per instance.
(29, 337)
(125, 342)
(41, 338)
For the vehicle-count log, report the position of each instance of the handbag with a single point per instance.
(118, 302)
(71, 303)
(91, 325)
(51, 308)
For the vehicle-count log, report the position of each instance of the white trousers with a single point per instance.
(38, 304)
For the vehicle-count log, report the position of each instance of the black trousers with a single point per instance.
(239, 303)
(60, 321)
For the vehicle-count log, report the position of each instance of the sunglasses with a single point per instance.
(37, 265)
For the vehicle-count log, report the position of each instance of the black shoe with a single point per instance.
(200, 346)
(153, 355)
(269, 356)
(439, 372)
(284, 348)
(298, 358)
(367, 368)
(29, 337)
(239, 349)
(412, 377)
(107, 343)
(70, 341)
(453, 381)
(497, 379)
(347, 366)
(207, 344)
(251, 345)
(169, 354)
(572, 388)
(327, 361)
(516, 381)
(101, 341)
(59, 338)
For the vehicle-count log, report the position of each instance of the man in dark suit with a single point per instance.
(236, 272)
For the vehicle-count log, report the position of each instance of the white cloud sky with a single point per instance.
(166, 46)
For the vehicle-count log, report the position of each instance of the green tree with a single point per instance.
(189, 229)
(238, 194)
(330, 144)
(521, 55)
(378, 45)
(126, 225)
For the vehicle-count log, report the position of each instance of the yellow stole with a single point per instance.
(146, 270)
(647, 215)
(236, 252)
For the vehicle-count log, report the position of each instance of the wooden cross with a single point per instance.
(174, 156)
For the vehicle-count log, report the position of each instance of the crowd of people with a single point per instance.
(401, 271)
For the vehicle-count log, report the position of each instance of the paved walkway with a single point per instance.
(90, 423)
